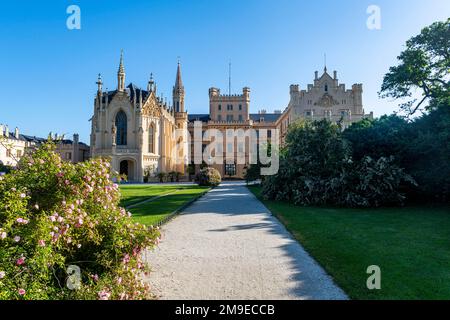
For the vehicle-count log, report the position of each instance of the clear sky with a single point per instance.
(48, 72)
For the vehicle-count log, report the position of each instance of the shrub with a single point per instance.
(161, 176)
(316, 168)
(208, 177)
(55, 214)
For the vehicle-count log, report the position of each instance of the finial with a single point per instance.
(325, 63)
(99, 82)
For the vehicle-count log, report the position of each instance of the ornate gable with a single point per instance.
(151, 106)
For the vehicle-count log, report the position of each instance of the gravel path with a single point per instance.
(227, 245)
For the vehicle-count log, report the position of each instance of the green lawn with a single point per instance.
(132, 194)
(154, 211)
(411, 245)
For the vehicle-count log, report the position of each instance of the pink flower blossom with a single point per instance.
(3, 235)
(41, 161)
(104, 295)
(20, 261)
(23, 195)
(41, 243)
(21, 291)
(16, 239)
(52, 218)
(95, 277)
(2, 274)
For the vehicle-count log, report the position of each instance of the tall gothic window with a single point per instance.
(151, 139)
(121, 126)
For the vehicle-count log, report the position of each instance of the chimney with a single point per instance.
(335, 75)
(316, 77)
(76, 138)
(16, 133)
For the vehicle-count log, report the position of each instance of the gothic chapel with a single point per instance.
(139, 131)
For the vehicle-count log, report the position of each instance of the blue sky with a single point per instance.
(49, 72)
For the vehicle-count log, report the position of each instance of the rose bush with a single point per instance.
(55, 214)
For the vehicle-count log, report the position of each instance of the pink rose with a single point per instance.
(21, 291)
(104, 295)
(20, 261)
(41, 243)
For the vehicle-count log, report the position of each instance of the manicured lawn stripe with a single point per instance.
(150, 213)
(132, 194)
(411, 245)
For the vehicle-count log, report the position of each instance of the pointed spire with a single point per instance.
(178, 81)
(325, 63)
(121, 66)
(121, 74)
(178, 91)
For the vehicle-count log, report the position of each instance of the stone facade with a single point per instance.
(230, 112)
(139, 131)
(325, 98)
(13, 145)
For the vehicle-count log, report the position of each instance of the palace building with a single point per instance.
(138, 130)
(144, 135)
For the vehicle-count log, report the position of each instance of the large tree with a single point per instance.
(423, 65)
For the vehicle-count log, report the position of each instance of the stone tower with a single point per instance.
(181, 119)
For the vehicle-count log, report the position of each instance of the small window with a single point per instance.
(269, 134)
(19, 153)
(68, 155)
(240, 147)
(326, 87)
(229, 147)
(240, 107)
(220, 107)
(240, 117)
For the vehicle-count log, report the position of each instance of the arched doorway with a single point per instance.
(126, 167)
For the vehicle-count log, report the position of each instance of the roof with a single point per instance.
(268, 117)
(256, 117)
(204, 117)
(131, 89)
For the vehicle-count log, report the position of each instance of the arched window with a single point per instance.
(326, 87)
(151, 139)
(121, 125)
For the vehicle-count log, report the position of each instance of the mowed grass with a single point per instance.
(132, 194)
(411, 245)
(154, 211)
